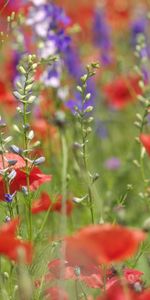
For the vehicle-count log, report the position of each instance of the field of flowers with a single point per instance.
(74, 150)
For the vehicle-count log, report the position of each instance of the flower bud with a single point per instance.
(39, 161)
(88, 109)
(15, 149)
(22, 70)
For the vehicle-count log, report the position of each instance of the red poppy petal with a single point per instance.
(119, 292)
(102, 244)
(42, 204)
(145, 140)
(10, 228)
(11, 156)
(36, 178)
(9, 246)
(55, 293)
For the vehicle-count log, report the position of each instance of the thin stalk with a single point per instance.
(76, 290)
(64, 182)
(83, 291)
(63, 221)
(42, 225)
(84, 136)
(26, 146)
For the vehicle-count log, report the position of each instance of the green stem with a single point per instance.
(76, 290)
(42, 225)
(86, 172)
(83, 291)
(63, 220)
(64, 182)
(26, 146)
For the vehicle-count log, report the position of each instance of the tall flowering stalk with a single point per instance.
(24, 94)
(82, 113)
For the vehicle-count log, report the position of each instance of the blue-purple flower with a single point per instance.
(9, 197)
(113, 163)
(102, 36)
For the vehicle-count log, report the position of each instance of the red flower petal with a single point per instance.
(92, 278)
(106, 243)
(132, 275)
(119, 292)
(57, 206)
(36, 178)
(145, 140)
(9, 246)
(145, 295)
(122, 91)
(11, 156)
(10, 228)
(42, 204)
(56, 293)
(93, 281)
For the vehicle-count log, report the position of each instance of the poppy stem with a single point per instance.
(64, 182)
(83, 291)
(76, 290)
(63, 220)
(43, 224)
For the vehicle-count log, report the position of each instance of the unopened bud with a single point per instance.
(22, 70)
(88, 109)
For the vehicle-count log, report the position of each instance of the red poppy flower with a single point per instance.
(43, 130)
(132, 276)
(122, 91)
(56, 293)
(145, 140)
(20, 163)
(118, 291)
(145, 295)
(10, 228)
(6, 96)
(57, 206)
(118, 13)
(42, 204)
(83, 13)
(98, 244)
(11, 6)
(36, 177)
(91, 277)
(10, 245)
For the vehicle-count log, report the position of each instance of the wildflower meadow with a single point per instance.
(74, 150)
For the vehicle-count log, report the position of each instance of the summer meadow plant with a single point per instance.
(74, 170)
